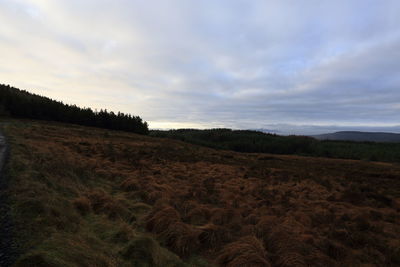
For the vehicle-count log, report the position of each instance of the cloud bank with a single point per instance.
(187, 63)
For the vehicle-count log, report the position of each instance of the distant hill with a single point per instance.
(360, 136)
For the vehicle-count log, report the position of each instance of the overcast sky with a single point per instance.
(212, 63)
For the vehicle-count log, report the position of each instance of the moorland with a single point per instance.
(97, 188)
(84, 196)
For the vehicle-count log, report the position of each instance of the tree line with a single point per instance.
(259, 142)
(22, 104)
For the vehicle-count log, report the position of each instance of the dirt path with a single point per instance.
(6, 245)
(3, 150)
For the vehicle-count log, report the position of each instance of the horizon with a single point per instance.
(279, 129)
(302, 68)
(306, 130)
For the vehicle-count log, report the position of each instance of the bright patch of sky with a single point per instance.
(228, 63)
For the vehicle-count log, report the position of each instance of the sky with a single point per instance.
(289, 66)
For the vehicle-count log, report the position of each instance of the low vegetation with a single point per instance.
(91, 197)
(258, 142)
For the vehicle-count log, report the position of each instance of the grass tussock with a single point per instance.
(77, 193)
(287, 248)
(247, 251)
(212, 236)
(160, 220)
(145, 251)
(178, 236)
(181, 238)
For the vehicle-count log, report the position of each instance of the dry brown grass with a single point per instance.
(82, 204)
(181, 238)
(198, 215)
(212, 236)
(199, 201)
(248, 251)
(160, 220)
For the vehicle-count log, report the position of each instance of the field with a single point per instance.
(89, 197)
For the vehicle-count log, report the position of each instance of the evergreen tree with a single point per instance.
(22, 104)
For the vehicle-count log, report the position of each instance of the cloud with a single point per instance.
(223, 63)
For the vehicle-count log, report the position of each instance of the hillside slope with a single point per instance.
(23, 104)
(91, 197)
(360, 136)
(258, 142)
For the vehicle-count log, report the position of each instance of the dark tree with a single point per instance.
(22, 104)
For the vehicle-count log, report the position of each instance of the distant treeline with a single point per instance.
(22, 104)
(259, 142)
